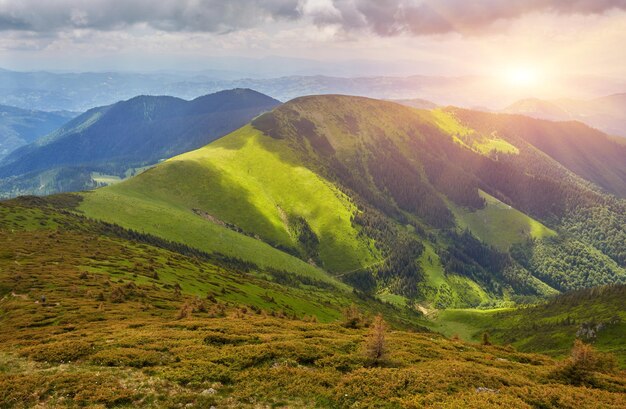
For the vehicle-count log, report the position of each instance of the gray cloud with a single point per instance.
(423, 17)
(383, 17)
(168, 15)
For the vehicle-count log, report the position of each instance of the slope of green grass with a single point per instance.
(500, 225)
(470, 138)
(551, 327)
(248, 181)
(447, 290)
(182, 225)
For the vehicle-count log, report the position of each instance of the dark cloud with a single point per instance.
(168, 15)
(384, 17)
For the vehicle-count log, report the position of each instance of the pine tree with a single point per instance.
(376, 345)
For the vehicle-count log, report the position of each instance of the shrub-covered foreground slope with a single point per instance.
(447, 207)
(95, 315)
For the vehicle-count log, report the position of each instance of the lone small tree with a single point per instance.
(376, 348)
(352, 317)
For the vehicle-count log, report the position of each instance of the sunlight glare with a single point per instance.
(522, 76)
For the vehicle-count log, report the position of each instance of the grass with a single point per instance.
(447, 290)
(469, 138)
(500, 225)
(550, 327)
(245, 180)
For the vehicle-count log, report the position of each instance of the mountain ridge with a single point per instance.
(399, 169)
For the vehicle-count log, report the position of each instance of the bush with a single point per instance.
(583, 362)
(133, 357)
(352, 317)
(59, 352)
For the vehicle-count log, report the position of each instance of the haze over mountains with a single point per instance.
(82, 91)
(19, 127)
(606, 113)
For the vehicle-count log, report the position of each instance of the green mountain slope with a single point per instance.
(595, 315)
(585, 151)
(499, 224)
(249, 182)
(422, 206)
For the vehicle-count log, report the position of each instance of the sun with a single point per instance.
(522, 76)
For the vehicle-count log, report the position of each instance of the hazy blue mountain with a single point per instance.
(19, 127)
(127, 135)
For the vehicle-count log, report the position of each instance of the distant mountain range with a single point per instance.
(607, 113)
(119, 138)
(19, 127)
(82, 91)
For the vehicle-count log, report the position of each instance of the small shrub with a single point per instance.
(118, 295)
(59, 352)
(352, 317)
(185, 311)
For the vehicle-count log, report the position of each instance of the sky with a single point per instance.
(533, 43)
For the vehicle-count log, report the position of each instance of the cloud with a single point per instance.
(393, 17)
(166, 15)
(382, 17)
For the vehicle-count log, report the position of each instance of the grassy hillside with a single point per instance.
(500, 225)
(244, 180)
(585, 151)
(94, 318)
(595, 315)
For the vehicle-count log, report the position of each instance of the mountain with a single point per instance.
(19, 127)
(95, 314)
(447, 207)
(605, 113)
(307, 258)
(131, 134)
